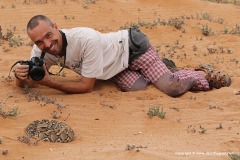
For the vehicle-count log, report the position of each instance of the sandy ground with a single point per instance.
(108, 123)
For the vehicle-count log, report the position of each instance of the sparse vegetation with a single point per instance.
(192, 129)
(220, 20)
(9, 34)
(87, 2)
(212, 50)
(15, 41)
(225, 31)
(236, 30)
(235, 2)
(206, 16)
(206, 30)
(35, 1)
(155, 111)
(202, 130)
(37, 96)
(234, 156)
(43, 100)
(134, 147)
(12, 113)
(168, 36)
(176, 22)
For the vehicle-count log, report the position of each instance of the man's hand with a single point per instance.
(22, 77)
(21, 71)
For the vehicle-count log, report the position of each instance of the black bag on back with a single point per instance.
(138, 43)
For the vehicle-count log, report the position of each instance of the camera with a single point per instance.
(36, 70)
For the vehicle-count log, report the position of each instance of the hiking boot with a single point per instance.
(216, 78)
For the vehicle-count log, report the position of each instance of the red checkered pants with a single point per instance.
(150, 66)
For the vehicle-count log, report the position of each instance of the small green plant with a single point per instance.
(234, 156)
(220, 20)
(155, 111)
(87, 2)
(202, 130)
(206, 16)
(15, 41)
(236, 30)
(9, 34)
(13, 112)
(140, 24)
(206, 30)
(235, 2)
(211, 50)
(35, 1)
(225, 31)
(176, 22)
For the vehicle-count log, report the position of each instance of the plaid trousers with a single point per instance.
(150, 66)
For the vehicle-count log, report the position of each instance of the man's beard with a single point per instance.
(57, 50)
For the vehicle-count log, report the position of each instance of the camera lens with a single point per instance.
(37, 73)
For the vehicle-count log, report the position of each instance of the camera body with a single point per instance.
(36, 70)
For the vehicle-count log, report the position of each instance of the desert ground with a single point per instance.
(109, 123)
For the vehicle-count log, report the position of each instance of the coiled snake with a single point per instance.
(50, 130)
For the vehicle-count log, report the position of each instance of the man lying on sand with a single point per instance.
(126, 57)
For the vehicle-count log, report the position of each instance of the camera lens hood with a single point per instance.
(37, 73)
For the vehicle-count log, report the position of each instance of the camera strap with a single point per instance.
(13, 66)
(64, 49)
